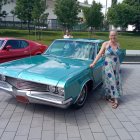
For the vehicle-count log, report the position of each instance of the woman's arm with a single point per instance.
(101, 52)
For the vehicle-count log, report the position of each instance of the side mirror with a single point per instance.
(8, 47)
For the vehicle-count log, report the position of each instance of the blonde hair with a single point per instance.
(115, 31)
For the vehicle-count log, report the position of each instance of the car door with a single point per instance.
(97, 69)
(18, 50)
(25, 47)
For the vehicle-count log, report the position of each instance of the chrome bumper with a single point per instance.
(36, 97)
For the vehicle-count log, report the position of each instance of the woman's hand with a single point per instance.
(100, 54)
(91, 65)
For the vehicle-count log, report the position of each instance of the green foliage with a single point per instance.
(86, 1)
(93, 15)
(135, 5)
(0, 6)
(38, 9)
(132, 2)
(125, 13)
(114, 2)
(30, 10)
(120, 15)
(23, 9)
(67, 12)
(13, 12)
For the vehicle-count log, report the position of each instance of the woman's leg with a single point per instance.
(115, 104)
(108, 98)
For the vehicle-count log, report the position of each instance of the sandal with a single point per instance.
(115, 105)
(109, 99)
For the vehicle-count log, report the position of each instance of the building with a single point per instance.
(52, 19)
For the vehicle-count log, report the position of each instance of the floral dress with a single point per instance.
(111, 73)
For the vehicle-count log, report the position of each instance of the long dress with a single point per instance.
(112, 84)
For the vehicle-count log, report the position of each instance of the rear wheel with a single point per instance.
(82, 98)
(38, 54)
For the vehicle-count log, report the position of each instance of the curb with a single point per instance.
(130, 62)
(132, 52)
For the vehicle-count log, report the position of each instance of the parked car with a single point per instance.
(13, 48)
(60, 77)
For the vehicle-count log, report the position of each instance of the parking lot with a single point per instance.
(95, 121)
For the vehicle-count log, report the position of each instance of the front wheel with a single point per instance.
(82, 98)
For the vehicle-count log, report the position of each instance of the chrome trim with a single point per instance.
(81, 90)
(92, 89)
(97, 85)
(31, 86)
(2, 77)
(37, 97)
(21, 84)
(3, 85)
(49, 100)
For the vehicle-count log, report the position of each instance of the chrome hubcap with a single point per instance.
(82, 97)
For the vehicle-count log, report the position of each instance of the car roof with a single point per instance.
(90, 40)
(11, 38)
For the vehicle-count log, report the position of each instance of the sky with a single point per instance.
(103, 2)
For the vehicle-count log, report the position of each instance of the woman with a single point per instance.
(67, 35)
(111, 69)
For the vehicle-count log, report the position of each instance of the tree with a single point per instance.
(114, 2)
(0, 7)
(2, 13)
(125, 13)
(38, 14)
(13, 13)
(29, 10)
(135, 5)
(132, 2)
(2, 2)
(93, 15)
(23, 10)
(67, 12)
(85, 1)
(120, 15)
(38, 9)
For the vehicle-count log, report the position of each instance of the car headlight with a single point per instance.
(60, 91)
(52, 89)
(2, 77)
(55, 90)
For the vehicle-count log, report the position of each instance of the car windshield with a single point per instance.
(72, 49)
(1, 42)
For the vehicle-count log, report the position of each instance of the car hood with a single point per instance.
(43, 69)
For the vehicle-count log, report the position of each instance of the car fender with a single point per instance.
(38, 53)
(75, 88)
(83, 84)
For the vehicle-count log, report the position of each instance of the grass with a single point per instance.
(128, 40)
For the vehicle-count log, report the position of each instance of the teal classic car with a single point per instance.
(60, 77)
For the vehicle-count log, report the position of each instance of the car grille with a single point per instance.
(26, 85)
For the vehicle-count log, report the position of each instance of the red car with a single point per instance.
(13, 48)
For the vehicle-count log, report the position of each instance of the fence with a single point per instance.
(8, 23)
(51, 24)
